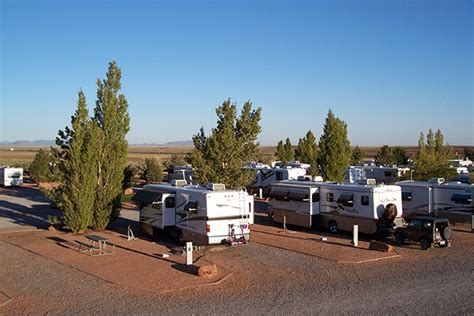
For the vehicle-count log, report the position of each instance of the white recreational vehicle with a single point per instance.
(203, 215)
(381, 174)
(266, 175)
(337, 206)
(437, 196)
(11, 176)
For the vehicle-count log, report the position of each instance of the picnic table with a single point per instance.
(98, 245)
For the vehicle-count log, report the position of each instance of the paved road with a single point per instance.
(265, 280)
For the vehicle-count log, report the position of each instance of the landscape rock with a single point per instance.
(128, 191)
(380, 246)
(207, 270)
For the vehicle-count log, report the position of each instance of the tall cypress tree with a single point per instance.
(77, 165)
(307, 152)
(112, 119)
(220, 156)
(335, 149)
(284, 151)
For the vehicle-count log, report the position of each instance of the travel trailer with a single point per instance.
(203, 215)
(11, 176)
(436, 197)
(266, 175)
(181, 173)
(381, 174)
(337, 206)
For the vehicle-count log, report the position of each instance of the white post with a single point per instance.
(355, 237)
(189, 253)
(260, 193)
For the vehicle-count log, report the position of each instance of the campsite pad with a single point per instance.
(135, 264)
(336, 248)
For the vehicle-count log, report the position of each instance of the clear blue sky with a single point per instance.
(390, 69)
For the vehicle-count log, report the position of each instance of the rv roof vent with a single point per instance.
(304, 178)
(215, 186)
(178, 183)
(318, 179)
(436, 180)
(370, 181)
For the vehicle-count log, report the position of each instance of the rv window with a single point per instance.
(364, 200)
(346, 199)
(316, 197)
(279, 194)
(329, 197)
(461, 198)
(191, 207)
(279, 175)
(146, 197)
(406, 196)
(388, 173)
(169, 202)
(298, 196)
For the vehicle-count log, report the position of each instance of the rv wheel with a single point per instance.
(180, 238)
(332, 226)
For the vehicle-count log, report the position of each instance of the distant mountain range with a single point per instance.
(47, 143)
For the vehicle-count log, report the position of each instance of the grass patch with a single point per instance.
(126, 198)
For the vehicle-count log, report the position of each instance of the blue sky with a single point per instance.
(389, 69)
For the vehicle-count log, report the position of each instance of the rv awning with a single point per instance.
(298, 196)
(346, 199)
(146, 197)
(461, 198)
(279, 194)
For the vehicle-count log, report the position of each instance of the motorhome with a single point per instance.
(337, 206)
(203, 215)
(265, 175)
(436, 196)
(381, 174)
(11, 176)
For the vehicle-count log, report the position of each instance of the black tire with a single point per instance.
(332, 227)
(399, 239)
(424, 243)
(180, 238)
(447, 233)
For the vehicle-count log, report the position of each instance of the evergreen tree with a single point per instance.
(400, 157)
(150, 170)
(384, 156)
(335, 151)
(357, 155)
(220, 156)
(77, 165)
(284, 151)
(40, 168)
(307, 152)
(431, 157)
(112, 119)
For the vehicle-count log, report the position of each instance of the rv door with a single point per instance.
(168, 210)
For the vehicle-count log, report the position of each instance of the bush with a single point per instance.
(129, 177)
(150, 170)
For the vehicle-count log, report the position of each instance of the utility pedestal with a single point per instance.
(355, 236)
(189, 253)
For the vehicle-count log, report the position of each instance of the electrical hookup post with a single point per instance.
(189, 253)
(355, 235)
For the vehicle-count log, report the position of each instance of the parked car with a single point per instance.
(427, 230)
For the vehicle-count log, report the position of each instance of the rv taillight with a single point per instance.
(208, 228)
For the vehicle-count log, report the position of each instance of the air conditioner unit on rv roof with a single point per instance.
(215, 186)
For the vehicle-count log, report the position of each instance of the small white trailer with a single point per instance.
(337, 206)
(436, 197)
(265, 175)
(203, 215)
(11, 176)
